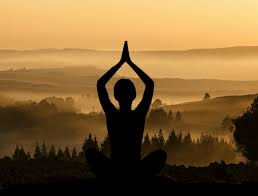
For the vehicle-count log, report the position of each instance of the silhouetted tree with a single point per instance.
(28, 156)
(178, 116)
(180, 137)
(170, 115)
(159, 117)
(172, 139)
(44, 153)
(20, 155)
(60, 155)
(227, 123)
(105, 146)
(74, 154)
(206, 96)
(156, 141)
(157, 103)
(161, 139)
(146, 145)
(67, 156)
(37, 152)
(52, 153)
(187, 139)
(246, 132)
(15, 155)
(81, 156)
(6, 158)
(90, 142)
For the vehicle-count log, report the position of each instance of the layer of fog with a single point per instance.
(229, 64)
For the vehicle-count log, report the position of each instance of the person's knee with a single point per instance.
(162, 155)
(159, 156)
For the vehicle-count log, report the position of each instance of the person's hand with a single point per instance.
(125, 57)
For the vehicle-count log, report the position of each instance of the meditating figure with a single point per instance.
(125, 127)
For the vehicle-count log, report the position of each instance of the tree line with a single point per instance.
(159, 118)
(181, 149)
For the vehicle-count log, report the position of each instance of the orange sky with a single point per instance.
(146, 24)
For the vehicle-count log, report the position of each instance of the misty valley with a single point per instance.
(128, 96)
(60, 107)
(50, 116)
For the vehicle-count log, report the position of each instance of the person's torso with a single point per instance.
(125, 131)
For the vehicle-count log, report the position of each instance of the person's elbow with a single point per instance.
(100, 84)
(151, 84)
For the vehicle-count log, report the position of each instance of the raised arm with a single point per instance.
(102, 91)
(101, 85)
(149, 85)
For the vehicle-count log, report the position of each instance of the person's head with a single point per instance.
(124, 92)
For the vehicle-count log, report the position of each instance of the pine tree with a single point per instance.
(172, 140)
(44, 153)
(28, 156)
(154, 143)
(178, 116)
(22, 154)
(81, 156)
(157, 103)
(95, 143)
(146, 145)
(170, 115)
(37, 153)
(67, 156)
(15, 155)
(180, 137)
(206, 96)
(19, 154)
(74, 154)
(105, 146)
(90, 143)
(52, 153)
(187, 139)
(60, 155)
(161, 140)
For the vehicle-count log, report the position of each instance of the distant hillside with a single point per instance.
(232, 105)
(233, 63)
(82, 80)
(207, 115)
(87, 76)
(68, 79)
(238, 51)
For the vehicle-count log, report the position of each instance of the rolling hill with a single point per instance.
(81, 81)
(233, 63)
(207, 115)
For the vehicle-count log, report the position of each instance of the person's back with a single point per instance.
(125, 129)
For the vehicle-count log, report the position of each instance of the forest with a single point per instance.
(181, 149)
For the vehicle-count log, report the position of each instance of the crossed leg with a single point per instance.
(152, 164)
(149, 166)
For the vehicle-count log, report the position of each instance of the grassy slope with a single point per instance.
(208, 114)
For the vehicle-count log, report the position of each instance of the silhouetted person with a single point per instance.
(125, 127)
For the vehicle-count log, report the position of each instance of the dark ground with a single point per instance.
(75, 176)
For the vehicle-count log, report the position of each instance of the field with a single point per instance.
(20, 174)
